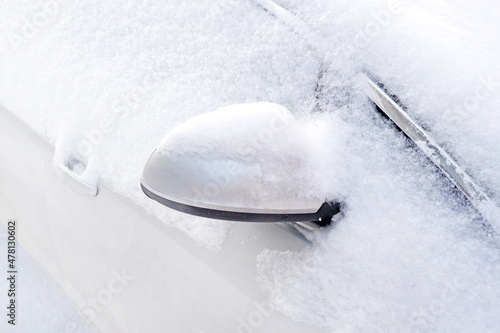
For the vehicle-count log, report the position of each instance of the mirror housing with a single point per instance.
(248, 162)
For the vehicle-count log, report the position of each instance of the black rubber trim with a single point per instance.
(324, 214)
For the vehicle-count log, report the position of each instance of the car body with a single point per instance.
(89, 90)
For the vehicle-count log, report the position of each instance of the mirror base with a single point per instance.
(315, 225)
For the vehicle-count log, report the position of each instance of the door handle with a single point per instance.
(74, 173)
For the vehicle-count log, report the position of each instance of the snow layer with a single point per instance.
(409, 256)
(258, 152)
(105, 81)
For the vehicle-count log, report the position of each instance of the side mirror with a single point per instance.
(248, 162)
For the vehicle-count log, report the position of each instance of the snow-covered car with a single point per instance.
(262, 113)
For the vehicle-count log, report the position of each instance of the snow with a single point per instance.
(409, 255)
(229, 129)
(106, 81)
(257, 153)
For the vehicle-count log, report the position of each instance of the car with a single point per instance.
(264, 113)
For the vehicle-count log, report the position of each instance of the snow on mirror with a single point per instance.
(248, 162)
